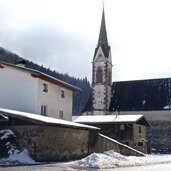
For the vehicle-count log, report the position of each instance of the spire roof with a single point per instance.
(103, 41)
(103, 33)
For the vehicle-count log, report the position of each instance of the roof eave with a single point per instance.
(41, 75)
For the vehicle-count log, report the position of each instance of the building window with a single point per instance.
(99, 75)
(44, 110)
(62, 94)
(139, 129)
(61, 114)
(45, 87)
(140, 144)
(121, 127)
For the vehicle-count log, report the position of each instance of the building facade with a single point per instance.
(31, 91)
(127, 129)
(151, 97)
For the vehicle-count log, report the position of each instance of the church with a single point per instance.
(127, 129)
(151, 97)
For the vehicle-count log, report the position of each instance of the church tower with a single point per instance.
(101, 73)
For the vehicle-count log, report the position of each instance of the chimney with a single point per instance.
(21, 62)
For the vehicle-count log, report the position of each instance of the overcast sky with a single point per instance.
(62, 35)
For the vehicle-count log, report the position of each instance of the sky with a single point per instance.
(63, 34)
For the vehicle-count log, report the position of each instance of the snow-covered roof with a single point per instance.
(43, 120)
(108, 118)
(41, 75)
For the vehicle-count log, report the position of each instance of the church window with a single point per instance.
(99, 75)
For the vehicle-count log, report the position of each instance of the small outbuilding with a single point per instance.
(127, 129)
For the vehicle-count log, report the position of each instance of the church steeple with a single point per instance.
(103, 34)
(102, 73)
(103, 41)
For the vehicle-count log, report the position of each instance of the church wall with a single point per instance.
(101, 84)
(99, 96)
(108, 96)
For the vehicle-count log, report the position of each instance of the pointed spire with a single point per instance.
(103, 41)
(103, 33)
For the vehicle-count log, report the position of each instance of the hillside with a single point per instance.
(79, 100)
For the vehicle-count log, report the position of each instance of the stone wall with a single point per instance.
(105, 143)
(47, 143)
(52, 143)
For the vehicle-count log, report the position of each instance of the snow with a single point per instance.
(17, 157)
(143, 102)
(167, 107)
(107, 118)
(106, 160)
(6, 134)
(111, 159)
(14, 156)
(44, 119)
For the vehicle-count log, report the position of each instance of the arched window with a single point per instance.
(99, 75)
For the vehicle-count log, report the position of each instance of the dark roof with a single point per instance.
(141, 95)
(103, 41)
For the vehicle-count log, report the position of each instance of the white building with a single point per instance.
(28, 90)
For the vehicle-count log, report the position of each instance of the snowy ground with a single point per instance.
(17, 158)
(112, 159)
(109, 159)
(104, 160)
